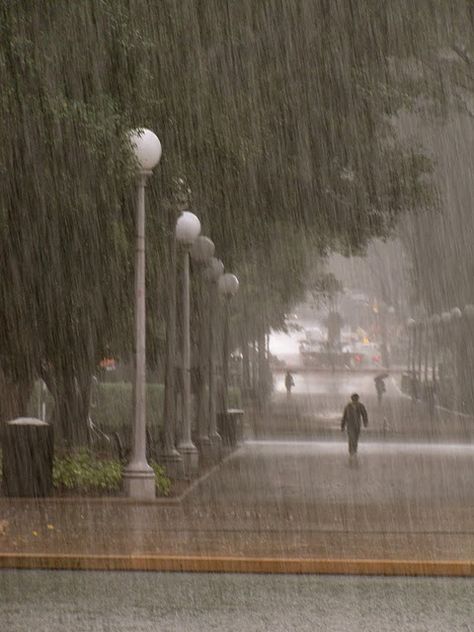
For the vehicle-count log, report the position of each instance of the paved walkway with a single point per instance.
(276, 500)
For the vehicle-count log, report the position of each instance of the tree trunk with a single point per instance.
(71, 396)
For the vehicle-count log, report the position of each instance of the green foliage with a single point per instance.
(85, 472)
(162, 482)
(277, 114)
(112, 409)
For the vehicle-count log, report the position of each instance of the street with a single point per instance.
(144, 602)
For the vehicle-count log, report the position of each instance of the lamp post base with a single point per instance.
(139, 484)
(216, 446)
(173, 463)
(190, 457)
(205, 448)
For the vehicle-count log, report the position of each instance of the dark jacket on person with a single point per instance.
(379, 385)
(353, 413)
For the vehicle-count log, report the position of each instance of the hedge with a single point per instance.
(113, 410)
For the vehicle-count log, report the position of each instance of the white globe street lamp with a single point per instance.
(147, 149)
(445, 318)
(202, 252)
(213, 272)
(469, 311)
(188, 228)
(139, 477)
(228, 286)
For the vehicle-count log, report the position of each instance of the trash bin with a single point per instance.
(28, 447)
(230, 427)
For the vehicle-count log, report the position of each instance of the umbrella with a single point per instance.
(382, 376)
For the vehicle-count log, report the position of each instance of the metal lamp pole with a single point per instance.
(214, 272)
(188, 228)
(202, 253)
(228, 287)
(139, 477)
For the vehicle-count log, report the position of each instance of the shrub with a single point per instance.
(83, 471)
(112, 406)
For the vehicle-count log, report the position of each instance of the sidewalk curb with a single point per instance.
(165, 563)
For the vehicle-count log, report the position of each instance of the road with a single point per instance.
(144, 602)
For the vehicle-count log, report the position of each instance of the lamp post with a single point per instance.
(411, 342)
(435, 322)
(139, 477)
(188, 228)
(458, 351)
(202, 252)
(469, 355)
(228, 286)
(421, 330)
(213, 273)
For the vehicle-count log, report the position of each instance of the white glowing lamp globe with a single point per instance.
(456, 313)
(202, 249)
(214, 270)
(228, 285)
(446, 318)
(469, 311)
(146, 147)
(188, 228)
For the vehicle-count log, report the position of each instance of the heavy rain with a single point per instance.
(236, 315)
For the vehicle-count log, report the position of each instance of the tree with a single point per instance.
(278, 116)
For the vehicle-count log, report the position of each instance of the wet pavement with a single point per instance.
(402, 498)
(144, 602)
(314, 409)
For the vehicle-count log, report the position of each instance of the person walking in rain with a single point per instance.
(379, 387)
(354, 413)
(289, 383)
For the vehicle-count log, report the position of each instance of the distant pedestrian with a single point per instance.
(289, 383)
(379, 387)
(354, 413)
